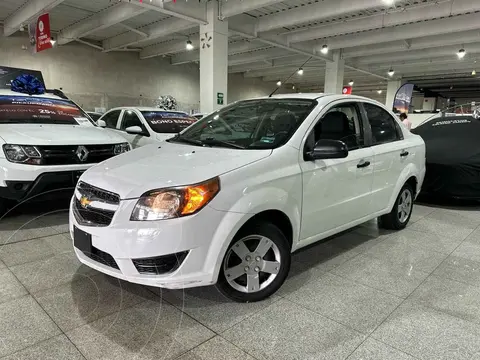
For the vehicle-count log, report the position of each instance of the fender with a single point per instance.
(410, 170)
(247, 207)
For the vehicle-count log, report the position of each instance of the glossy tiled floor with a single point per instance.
(366, 294)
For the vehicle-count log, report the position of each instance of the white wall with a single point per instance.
(96, 79)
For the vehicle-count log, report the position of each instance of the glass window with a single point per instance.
(130, 119)
(40, 110)
(111, 118)
(250, 124)
(342, 122)
(384, 128)
(168, 122)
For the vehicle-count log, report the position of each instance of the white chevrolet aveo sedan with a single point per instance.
(230, 198)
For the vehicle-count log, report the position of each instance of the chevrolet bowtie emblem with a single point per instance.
(84, 201)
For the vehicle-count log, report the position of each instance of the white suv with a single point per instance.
(46, 143)
(229, 199)
(143, 126)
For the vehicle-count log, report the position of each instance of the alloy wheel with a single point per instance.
(405, 205)
(252, 263)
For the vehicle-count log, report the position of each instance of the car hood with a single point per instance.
(165, 165)
(46, 134)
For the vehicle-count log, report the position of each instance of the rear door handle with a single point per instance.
(404, 153)
(363, 164)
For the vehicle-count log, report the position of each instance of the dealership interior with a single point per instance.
(365, 292)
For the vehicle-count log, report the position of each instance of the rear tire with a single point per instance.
(256, 263)
(400, 215)
(5, 206)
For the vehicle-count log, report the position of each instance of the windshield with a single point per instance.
(251, 124)
(168, 122)
(37, 110)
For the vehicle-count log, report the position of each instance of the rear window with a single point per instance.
(36, 110)
(168, 122)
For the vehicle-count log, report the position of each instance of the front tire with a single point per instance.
(401, 212)
(256, 263)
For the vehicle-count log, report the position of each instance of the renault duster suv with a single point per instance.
(230, 198)
(46, 143)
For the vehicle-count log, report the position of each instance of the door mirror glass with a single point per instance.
(328, 149)
(101, 123)
(134, 130)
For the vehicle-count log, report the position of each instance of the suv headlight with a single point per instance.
(176, 202)
(26, 154)
(121, 148)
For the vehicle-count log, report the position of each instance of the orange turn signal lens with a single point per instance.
(197, 196)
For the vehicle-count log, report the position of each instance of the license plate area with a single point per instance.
(82, 240)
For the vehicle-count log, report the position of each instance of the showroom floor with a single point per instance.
(363, 295)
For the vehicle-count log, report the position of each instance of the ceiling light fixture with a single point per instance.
(300, 71)
(279, 83)
(324, 49)
(461, 53)
(189, 46)
(474, 72)
(389, 2)
(391, 72)
(293, 87)
(53, 41)
(351, 83)
(379, 91)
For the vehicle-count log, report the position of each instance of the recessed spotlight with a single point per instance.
(279, 83)
(300, 71)
(461, 53)
(391, 72)
(324, 49)
(351, 82)
(189, 46)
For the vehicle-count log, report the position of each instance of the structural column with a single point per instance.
(392, 88)
(334, 73)
(213, 60)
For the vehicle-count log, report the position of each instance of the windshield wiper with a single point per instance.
(215, 142)
(186, 140)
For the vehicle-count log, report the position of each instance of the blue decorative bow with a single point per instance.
(28, 84)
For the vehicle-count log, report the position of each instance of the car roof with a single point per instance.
(315, 96)
(143, 108)
(7, 92)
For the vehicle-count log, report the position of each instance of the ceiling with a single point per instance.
(270, 39)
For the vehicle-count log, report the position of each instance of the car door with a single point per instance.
(131, 118)
(112, 118)
(337, 192)
(390, 153)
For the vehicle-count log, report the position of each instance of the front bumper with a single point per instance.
(20, 181)
(205, 236)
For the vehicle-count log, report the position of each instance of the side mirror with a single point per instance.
(134, 130)
(328, 149)
(102, 123)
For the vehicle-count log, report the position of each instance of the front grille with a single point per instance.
(91, 216)
(69, 154)
(93, 192)
(102, 257)
(161, 264)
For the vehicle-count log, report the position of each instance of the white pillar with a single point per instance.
(392, 88)
(213, 60)
(334, 73)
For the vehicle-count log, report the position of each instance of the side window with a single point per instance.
(111, 118)
(130, 118)
(384, 127)
(341, 122)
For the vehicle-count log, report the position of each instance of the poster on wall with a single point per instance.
(403, 98)
(39, 33)
(347, 90)
(7, 74)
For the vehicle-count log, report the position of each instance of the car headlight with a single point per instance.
(176, 202)
(121, 148)
(26, 154)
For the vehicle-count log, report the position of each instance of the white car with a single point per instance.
(143, 126)
(229, 199)
(46, 142)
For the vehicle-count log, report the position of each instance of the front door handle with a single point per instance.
(404, 153)
(363, 164)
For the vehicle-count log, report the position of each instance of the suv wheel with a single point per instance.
(256, 264)
(401, 212)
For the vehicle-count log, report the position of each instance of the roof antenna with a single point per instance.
(283, 82)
